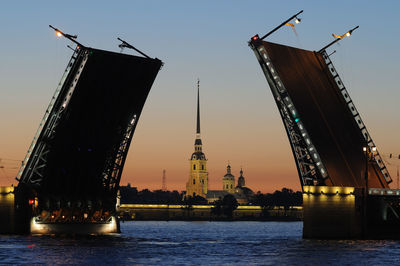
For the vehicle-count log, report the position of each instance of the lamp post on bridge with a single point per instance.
(390, 162)
(369, 153)
(338, 38)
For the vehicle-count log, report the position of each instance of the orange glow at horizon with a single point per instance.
(261, 149)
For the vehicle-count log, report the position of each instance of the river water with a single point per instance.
(197, 243)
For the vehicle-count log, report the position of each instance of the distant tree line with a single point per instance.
(285, 197)
(225, 206)
(130, 195)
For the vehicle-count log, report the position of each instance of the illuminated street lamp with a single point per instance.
(296, 21)
(286, 22)
(70, 37)
(347, 34)
(338, 38)
(397, 166)
(367, 155)
(365, 150)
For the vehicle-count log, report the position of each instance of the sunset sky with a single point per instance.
(208, 40)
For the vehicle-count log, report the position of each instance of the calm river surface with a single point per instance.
(197, 243)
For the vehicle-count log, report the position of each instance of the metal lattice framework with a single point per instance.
(309, 165)
(79, 150)
(31, 171)
(377, 157)
(114, 165)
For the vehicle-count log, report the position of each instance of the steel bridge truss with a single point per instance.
(115, 164)
(309, 165)
(370, 143)
(34, 164)
(32, 170)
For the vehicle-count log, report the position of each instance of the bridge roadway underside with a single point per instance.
(73, 172)
(325, 115)
(111, 90)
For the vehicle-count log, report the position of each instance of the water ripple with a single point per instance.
(197, 243)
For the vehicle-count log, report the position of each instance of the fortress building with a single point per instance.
(240, 191)
(197, 184)
(228, 181)
(241, 182)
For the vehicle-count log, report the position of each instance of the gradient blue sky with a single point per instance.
(205, 39)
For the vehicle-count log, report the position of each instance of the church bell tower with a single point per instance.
(197, 184)
(228, 181)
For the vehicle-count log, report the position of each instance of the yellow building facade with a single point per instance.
(228, 181)
(197, 184)
(198, 177)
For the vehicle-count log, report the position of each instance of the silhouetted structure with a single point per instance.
(197, 184)
(325, 130)
(344, 180)
(75, 162)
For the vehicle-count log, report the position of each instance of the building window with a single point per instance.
(194, 181)
(202, 167)
(227, 186)
(231, 186)
(194, 167)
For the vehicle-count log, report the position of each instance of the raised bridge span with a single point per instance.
(344, 179)
(325, 130)
(72, 169)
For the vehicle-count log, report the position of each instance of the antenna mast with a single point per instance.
(164, 181)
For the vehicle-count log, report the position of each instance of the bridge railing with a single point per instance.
(308, 161)
(356, 116)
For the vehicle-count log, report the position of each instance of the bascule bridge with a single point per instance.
(344, 180)
(70, 176)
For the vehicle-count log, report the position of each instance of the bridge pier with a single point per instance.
(332, 212)
(17, 217)
(343, 213)
(15, 210)
(7, 212)
(108, 227)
